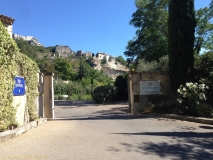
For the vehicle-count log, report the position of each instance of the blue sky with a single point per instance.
(87, 25)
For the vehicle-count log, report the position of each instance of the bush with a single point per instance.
(56, 97)
(192, 97)
(73, 97)
(60, 87)
(104, 94)
(204, 72)
(86, 97)
(205, 110)
(162, 65)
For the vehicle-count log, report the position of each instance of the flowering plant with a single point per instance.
(191, 96)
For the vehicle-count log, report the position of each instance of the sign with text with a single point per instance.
(19, 88)
(150, 87)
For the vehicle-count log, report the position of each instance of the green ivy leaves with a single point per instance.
(13, 63)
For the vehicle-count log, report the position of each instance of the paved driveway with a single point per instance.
(86, 131)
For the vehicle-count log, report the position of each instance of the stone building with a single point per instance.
(87, 55)
(8, 23)
(100, 55)
(79, 53)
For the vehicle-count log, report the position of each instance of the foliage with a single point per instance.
(86, 71)
(205, 110)
(86, 82)
(204, 72)
(192, 97)
(204, 30)
(83, 69)
(121, 85)
(162, 65)
(151, 39)
(64, 68)
(46, 67)
(104, 94)
(121, 60)
(181, 42)
(13, 63)
(151, 20)
(103, 62)
(27, 49)
(61, 88)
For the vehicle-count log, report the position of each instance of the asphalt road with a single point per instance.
(86, 131)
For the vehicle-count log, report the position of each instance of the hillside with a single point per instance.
(45, 56)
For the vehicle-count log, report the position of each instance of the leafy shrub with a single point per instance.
(205, 110)
(204, 72)
(86, 97)
(192, 97)
(73, 97)
(13, 63)
(61, 88)
(103, 62)
(104, 94)
(56, 97)
(121, 60)
(162, 65)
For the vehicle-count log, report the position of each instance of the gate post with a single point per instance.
(41, 95)
(48, 96)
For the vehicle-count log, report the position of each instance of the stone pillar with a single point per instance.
(130, 95)
(41, 95)
(48, 96)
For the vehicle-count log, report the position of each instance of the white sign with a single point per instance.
(150, 87)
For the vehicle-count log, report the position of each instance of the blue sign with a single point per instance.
(19, 88)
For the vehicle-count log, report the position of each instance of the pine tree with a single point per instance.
(181, 38)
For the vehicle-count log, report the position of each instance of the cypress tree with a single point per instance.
(181, 29)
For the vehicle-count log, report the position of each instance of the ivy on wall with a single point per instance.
(13, 63)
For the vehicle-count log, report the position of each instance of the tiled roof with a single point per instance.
(6, 20)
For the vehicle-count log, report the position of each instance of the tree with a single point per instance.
(64, 68)
(204, 30)
(151, 19)
(103, 62)
(121, 60)
(151, 40)
(27, 49)
(181, 29)
(83, 69)
(46, 67)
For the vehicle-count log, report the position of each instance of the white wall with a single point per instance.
(9, 29)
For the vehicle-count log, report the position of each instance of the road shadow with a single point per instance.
(120, 113)
(181, 145)
(81, 103)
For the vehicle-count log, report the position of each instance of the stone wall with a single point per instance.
(140, 103)
(9, 29)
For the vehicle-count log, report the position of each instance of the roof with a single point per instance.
(6, 20)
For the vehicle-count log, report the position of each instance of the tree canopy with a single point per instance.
(151, 19)
(64, 69)
(151, 39)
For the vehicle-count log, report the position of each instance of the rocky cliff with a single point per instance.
(64, 51)
(111, 68)
(31, 40)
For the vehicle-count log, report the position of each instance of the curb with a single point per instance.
(9, 134)
(184, 118)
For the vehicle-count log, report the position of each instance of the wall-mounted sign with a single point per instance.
(150, 87)
(19, 88)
